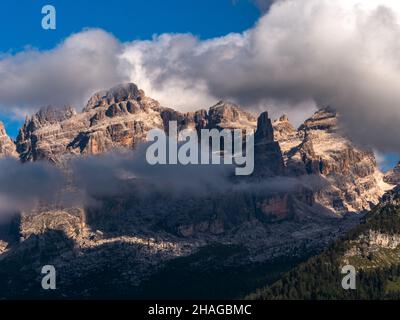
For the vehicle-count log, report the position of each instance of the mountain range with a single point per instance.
(311, 186)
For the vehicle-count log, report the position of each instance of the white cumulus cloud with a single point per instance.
(301, 53)
(68, 74)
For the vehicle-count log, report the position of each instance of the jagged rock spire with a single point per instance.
(268, 159)
(265, 132)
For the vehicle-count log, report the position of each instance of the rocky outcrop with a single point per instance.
(393, 176)
(45, 134)
(119, 117)
(227, 115)
(382, 240)
(268, 160)
(7, 146)
(116, 118)
(283, 129)
(354, 183)
(371, 246)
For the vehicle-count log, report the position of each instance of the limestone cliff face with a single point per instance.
(227, 115)
(317, 147)
(371, 243)
(116, 118)
(7, 146)
(283, 129)
(393, 176)
(268, 158)
(45, 134)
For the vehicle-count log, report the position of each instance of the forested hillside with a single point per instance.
(373, 248)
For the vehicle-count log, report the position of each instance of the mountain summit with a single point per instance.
(354, 182)
(393, 176)
(7, 146)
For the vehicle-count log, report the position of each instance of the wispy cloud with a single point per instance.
(22, 187)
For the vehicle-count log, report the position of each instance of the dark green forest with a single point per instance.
(320, 277)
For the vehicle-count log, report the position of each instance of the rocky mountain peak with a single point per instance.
(227, 115)
(393, 176)
(120, 93)
(264, 132)
(127, 91)
(47, 116)
(118, 117)
(7, 146)
(324, 119)
(283, 129)
(284, 118)
(318, 148)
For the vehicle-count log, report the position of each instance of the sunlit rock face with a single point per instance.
(7, 146)
(227, 115)
(393, 175)
(119, 117)
(354, 182)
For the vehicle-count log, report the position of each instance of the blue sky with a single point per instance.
(127, 19)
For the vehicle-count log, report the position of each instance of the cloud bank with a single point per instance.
(300, 54)
(124, 173)
(24, 186)
(68, 74)
(341, 53)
